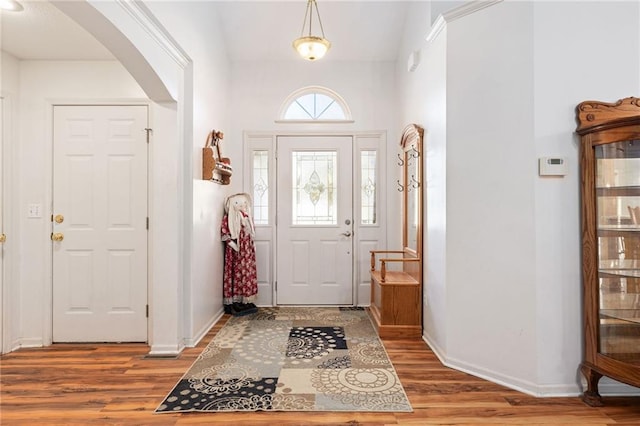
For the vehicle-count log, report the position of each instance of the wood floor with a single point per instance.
(69, 384)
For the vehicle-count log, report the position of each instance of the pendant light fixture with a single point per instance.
(309, 46)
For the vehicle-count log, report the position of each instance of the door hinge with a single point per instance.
(276, 283)
(147, 311)
(148, 130)
(147, 223)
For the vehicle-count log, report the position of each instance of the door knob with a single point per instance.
(347, 234)
(57, 236)
(59, 218)
(3, 238)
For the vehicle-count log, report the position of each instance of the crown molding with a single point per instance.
(143, 16)
(457, 13)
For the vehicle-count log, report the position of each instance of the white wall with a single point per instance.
(510, 292)
(195, 30)
(491, 170)
(573, 63)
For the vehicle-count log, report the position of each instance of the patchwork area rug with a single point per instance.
(292, 359)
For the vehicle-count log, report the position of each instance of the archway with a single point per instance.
(164, 72)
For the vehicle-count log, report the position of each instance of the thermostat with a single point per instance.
(553, 166)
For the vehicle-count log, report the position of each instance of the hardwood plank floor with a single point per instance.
(72, 384)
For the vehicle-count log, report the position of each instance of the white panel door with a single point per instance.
(100, 211)
(2, 236)
(314, 220)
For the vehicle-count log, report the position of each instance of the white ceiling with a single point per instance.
(41, 31)
(252, 30)
(357, 30)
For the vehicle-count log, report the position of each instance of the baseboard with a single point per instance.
(529, 388)
(192, 342)
(29, 342)
(165, 350)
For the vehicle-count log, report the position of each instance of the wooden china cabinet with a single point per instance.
(396, 282)
(610, 179)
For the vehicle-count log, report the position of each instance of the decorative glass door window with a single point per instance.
(368, 191)
(261, 187)
(314, 187)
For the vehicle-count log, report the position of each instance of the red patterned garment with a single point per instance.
(240, 282)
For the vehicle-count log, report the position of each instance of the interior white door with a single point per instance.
(100, 221)
(2, 235)
(314, 220)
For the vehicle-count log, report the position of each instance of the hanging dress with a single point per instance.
(240, 280)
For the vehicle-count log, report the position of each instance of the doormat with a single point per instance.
(292, 359)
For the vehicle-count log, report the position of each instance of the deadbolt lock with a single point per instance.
(3, 238)
(57, 236)
(59, 218)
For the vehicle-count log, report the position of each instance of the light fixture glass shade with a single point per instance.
(311, 47)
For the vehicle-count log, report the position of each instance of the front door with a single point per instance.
(314, 220)
(99, 223)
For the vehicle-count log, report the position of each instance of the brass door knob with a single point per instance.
(3, 238)
(57, 236)
(59, 218)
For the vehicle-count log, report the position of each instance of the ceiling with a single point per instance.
(42, 32)
(358, 30)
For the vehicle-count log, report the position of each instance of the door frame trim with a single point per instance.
(47, 308)
(10, 247)
(356, 136)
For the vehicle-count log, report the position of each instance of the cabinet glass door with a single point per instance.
(618, 215)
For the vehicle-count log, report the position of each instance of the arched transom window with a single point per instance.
(314, 104)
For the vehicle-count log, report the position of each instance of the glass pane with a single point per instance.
(296, 112)
(322, 103)
(368, 190)
(314, 106)
(307, 103)
(314, 191)
(260, 187)
(618, 215)
(333, 112)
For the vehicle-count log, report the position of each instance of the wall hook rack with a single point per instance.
(414, 182)
(413, 153)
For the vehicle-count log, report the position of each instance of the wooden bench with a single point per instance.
(396, 296)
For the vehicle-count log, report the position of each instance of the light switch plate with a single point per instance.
(35, 210)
